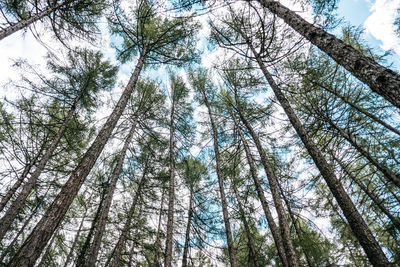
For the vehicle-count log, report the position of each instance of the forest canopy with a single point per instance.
(196, 133)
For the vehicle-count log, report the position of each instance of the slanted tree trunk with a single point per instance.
(47, 252)
(360, 109)
(375, 199)
(171, 188)
(21, 230)
(157, 242)
(187, 234)
(120, 246)
(26, 22)
(260, 192)
(94, 249)
(380, 79)
(356, 222)
(228, 231)
(385, 170)
(296, 227)
(19, 202)
(36, 241)
(272, 180)
(136, 238)
(78, 233)
(253, 254)
(81, 259)
(21, 178)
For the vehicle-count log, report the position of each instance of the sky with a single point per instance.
(376, 17)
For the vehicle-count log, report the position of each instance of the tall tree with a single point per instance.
(83, 76)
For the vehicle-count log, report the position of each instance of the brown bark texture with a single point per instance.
(381, 80)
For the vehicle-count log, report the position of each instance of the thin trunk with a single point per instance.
(26, 22)
(260, 192)
(361, 110)
(385, 170)
(356, 222)
(78, 233)
(12, 244)
(120, 246)
(19, 202)
(157, 243)
(272, 180)
(228, 231)
(188, 225)
(33, 246)
(18, 183)
(81, 259)
(171, 188)
(253, 254)
(94, 249)
(296, 227)
(47, 252)
(375, 199)
(380, 79)
(132, 249)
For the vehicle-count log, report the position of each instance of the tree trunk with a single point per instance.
(19, 202)
(26, 22)
(187, 234)
(157, 243)
(78, 233)
(296, 227)
(31, 249)
(120, 246)
(381, 80)
(385, 170)
(272, 180)
(260, 192)
(375, 199)
(171, 188)
(356, 222)
(21, 230)
(360, 109)
(253, 253)
(47, 252)
(18, 183)
(132, 249)
(94, 249)
(81, 259)
(228, 231)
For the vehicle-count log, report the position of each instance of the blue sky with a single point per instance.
(376, 17)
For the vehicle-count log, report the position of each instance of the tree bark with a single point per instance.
(120, 246)
(375, 199)
(228, 231)
(19, 202)
(187, 234)
(26, 22)
(171, 188)
(381, 80)
(273, 181)
(296, 227)
(260, 192)
(81, 259)
(94, 249)
(47, 252)
(356, 222)
(253, 253)
(32, 247)
(78, 233)
(157, 243)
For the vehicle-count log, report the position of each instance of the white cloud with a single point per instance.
(380, 24)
